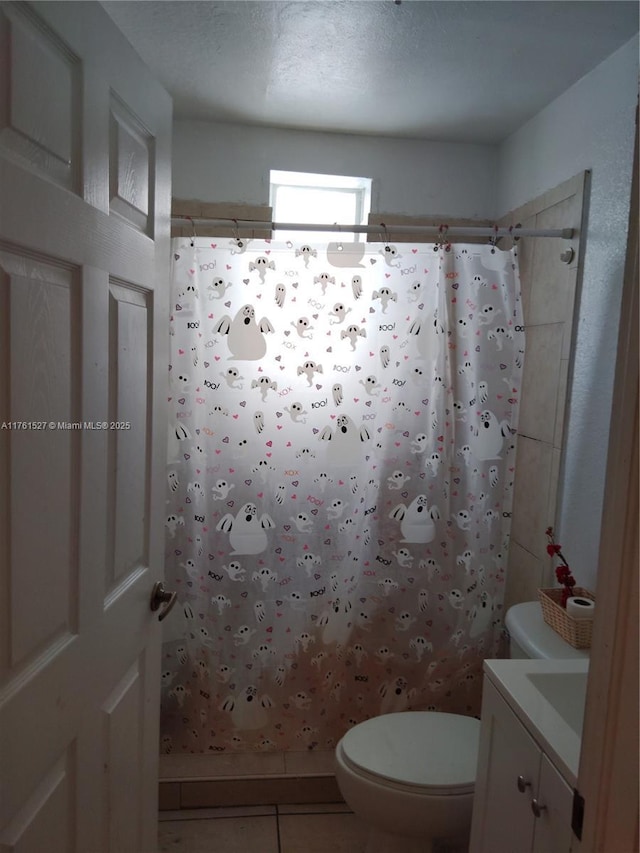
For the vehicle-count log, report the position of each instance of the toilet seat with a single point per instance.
(426, 752)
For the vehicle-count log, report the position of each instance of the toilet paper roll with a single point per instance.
(580, 608)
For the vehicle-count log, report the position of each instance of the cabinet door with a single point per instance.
(552, 832)
(502, 818)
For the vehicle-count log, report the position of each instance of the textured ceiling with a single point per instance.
(456, 71)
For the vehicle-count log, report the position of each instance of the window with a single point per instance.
(322, 199)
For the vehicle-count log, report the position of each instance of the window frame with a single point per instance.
(357, 187)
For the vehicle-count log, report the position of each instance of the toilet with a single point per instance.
(531, 637)
(410, 775)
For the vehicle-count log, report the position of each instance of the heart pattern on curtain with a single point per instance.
(339, 484)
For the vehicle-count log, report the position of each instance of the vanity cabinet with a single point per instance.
(521, 804)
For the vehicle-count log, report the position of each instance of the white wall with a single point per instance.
(231, 162)
(590, 126)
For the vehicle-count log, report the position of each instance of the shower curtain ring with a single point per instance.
(493, 241)
(236, 234)
(514, 237)
(194, 235)
(441, 241)
(340, 247)
(384, 237)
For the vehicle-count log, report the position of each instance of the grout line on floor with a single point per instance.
(217, 812)
(221, 817)
(313, 812)
(278, 830)
(279, 809)
(224, 817)
(244, 777)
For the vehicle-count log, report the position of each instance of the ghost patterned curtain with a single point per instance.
(339, 483)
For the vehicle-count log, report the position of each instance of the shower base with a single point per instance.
(243, 779)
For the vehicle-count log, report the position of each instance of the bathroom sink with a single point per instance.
(548, 697)
(566, 692)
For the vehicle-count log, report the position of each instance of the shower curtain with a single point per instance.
(339, 484)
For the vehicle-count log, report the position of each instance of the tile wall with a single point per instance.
(550, 289)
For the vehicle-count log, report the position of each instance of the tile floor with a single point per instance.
(322, 828)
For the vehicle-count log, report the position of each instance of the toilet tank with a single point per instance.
(531, 637)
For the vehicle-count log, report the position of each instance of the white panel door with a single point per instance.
(84, 259)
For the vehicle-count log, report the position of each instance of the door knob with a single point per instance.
(160, 596)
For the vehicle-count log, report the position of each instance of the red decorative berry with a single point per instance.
(563, 572)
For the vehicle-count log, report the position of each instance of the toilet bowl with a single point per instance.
(410, 775)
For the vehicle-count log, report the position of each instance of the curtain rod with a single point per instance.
(441, 231)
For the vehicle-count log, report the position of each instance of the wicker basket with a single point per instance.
(576, 632)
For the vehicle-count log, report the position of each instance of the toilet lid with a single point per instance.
(421, 748)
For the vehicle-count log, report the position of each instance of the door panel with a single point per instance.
(131, 166)
(129, 398)
(84, 253)
(46, 820)
(39, 109)
(122, 751)
(42, 299)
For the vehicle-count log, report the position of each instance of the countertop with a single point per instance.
(555, 736)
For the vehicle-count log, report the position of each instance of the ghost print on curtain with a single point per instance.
(339, 485)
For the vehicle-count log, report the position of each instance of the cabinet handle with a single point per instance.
(536, 808)
(522, 784)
